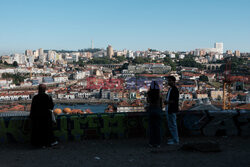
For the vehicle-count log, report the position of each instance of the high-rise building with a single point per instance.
(237, 53)
(219, 47)
(40, 52)
(110, 51)
(36, 53)
(51, 55)
(28, 52)
(92, 44)
(229, 52)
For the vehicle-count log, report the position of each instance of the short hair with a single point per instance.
(41, 88)
(172, 78)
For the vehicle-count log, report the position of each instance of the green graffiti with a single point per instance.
(62, 132)
(90, 121)
(76, 131)
(145, 122)
(14, 129)
(113, 125)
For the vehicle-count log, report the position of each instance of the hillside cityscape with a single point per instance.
(123, 77)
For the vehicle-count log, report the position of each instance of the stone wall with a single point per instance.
(129, 125)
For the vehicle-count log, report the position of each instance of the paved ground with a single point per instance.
(131, 152)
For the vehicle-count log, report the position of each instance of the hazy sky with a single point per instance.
(177, 25)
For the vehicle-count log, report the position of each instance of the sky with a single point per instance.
(174, 25)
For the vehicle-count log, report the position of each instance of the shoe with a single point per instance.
(170, 140)
(54, 143)
(173, 143)
(158, 146)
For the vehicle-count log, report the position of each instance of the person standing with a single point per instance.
(154, 109)
(41, 119)
(172, 107)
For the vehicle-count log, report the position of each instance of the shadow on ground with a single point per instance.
(234, 151)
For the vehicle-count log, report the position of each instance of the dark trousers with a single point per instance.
(41, 133)
(155, 126)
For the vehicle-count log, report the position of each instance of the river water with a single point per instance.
(98, 108)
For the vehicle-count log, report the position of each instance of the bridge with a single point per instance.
(212, 66)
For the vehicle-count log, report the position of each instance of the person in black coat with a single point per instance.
(154, 109)
(41, 119)
(172, 107)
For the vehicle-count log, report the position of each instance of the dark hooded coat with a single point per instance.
(41, 120)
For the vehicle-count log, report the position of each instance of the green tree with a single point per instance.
(203, 78)
(120, 59)
(101, 60)
(168, 61)
(219, 98)
(15, 64)
(141, 60)
(5, 63)
(189, 61)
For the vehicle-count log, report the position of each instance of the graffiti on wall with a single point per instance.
(14, 129)
(129, 125)
(214, 123)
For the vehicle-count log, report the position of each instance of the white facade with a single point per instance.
(172, 56)
(219, 47)
(60, 78)
(181, 56)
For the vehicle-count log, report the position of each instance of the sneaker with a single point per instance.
(158, 146)
(170, 140)
(172, 143)
(54, 143)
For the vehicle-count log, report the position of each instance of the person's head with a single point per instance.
(171, 80)
(41, 88)
(154, 92)
(154, 85)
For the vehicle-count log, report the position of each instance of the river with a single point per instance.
(98, 108)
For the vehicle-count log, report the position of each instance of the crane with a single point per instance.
(228, 83)
(227, 86)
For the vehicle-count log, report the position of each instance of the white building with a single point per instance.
(60, 79)
(51, 56)
(182, 56)
(130, 54)
(219, 47)
(172, 55)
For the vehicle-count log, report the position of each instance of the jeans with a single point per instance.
(172, 126)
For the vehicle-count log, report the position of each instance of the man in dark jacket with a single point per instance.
(41, 119)
(172, 107)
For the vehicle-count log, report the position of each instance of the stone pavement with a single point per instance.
(235, 151)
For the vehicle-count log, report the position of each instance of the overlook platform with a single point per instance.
(120, 139)
(235, 151)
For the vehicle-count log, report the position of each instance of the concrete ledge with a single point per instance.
(130, 125)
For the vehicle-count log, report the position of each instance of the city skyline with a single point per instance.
(161, 25)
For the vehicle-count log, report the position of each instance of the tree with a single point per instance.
(141, 60)
(189, 61)
(101, 60)
(15, 64)
(120, 59)
(219, 98)
(168, 61)
(5, 63)
(203, 78)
